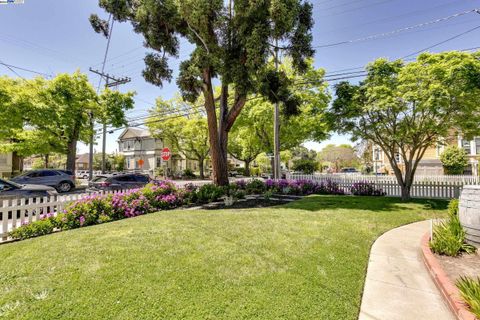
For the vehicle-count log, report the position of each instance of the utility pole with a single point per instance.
(276, 129)
(110, 81)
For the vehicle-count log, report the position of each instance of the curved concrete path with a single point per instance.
(398, 285)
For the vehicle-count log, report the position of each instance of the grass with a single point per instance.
(305, 260)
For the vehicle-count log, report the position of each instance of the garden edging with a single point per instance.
(447, 288)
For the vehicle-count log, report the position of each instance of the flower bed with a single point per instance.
(161, 195)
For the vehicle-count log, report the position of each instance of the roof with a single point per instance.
(129, 133)
(82, 158)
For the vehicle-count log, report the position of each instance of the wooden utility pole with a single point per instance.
(110, 81)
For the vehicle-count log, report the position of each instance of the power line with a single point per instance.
(441, 42)
(358, 8)
(394, 32)
(25, 69)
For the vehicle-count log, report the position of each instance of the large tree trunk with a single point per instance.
(247, 168)
(201, 167)
(71, 155)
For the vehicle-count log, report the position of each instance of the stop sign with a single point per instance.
(166, 154)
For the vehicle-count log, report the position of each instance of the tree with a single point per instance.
(307, 166)
(187, 131)
(407, 108)
(232, 41)
(340, 156)
(454, 160)
(118, 162)
(252, 133)
(52, 115)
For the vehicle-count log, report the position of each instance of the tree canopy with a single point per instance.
(232, 42)
(407, 108)
(454, 160)
(185, 128)
(46, 116)
(339, 156)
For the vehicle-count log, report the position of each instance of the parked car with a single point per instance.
(349, 170)
(62, 180)
(119, 181)
(12, 190)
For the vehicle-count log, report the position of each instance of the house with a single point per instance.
(430, 163)
(10, 165)
(82, 162)
(143, 152)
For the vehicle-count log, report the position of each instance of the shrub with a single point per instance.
(366, 189)
(454, 160)
(307, 166)
(209, 193)
(34, 229)
(470, 292)
(86, 212)
(188, 174)
(449, 236)
(255, 186)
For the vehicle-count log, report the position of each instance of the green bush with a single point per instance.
(209, 193)
(454, 160)
(307, 166)
(449, 236)
(188, 174)
(34, 229)
(255, 186)
(470, 292)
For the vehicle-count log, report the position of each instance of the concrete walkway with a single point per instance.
(398, 285)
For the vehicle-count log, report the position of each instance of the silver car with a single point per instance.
(12, 190)
(62, 180)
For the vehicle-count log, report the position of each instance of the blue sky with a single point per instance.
(53, 36)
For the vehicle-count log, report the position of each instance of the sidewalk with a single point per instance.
(398, 285)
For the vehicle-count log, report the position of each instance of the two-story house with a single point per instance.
(430, 163)
(143, 152)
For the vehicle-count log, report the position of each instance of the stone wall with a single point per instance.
(469, 213)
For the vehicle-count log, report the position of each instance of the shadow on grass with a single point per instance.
(329, 202)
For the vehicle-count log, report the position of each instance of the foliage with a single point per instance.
(449, 236)
(232, 42)
(407, 108)
(366, 189)
(340, 156)
(188, 174)
(36, 229)
(252, 133)
(209, 193)
(470, 291)
(186, 129)
(454, 160)
(306, 166)
(52, 116)
(130, 262)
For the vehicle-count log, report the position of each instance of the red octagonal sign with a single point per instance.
(166, 154)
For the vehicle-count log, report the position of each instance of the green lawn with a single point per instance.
(306, 260)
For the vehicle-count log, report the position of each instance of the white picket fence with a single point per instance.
(461, 179)
(422, 187)
(15, 212)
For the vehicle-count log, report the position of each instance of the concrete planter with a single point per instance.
(469, 213)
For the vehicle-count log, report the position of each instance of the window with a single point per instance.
(440, 147)
(159, 162)
(46, 173)
(141, 178)
(4, 186)
(466, 146)
(398, 158)
(477, 144)
(127, 161)
(125, 179)
(377, 154)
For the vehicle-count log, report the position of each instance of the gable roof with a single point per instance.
(130, 133)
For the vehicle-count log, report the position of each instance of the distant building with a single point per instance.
(82, 161)
(430, 163)
(10, 165)
(137, 144)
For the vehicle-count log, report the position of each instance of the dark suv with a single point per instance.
(62, 180)
(119, 181)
